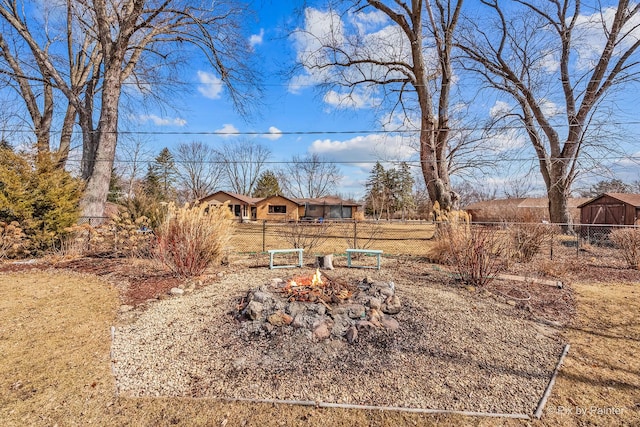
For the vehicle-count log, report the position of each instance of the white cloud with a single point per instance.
(159, 121)
(364, 151)
(500, 108)
(274, 133)
(227, 130)
(210, 85)
(550, 109)
(256, 39)
(320, 28)
(592, 31)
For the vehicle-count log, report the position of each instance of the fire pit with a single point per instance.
(320, 307)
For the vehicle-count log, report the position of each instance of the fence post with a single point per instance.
(355, 234)
(264, 235)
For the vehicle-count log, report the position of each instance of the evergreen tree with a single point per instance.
(404, 189)
(38, 195)
(267, 185)
(160, 177)
(115, 187)
(376, 192)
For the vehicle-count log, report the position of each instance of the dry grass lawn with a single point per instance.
(54, 342)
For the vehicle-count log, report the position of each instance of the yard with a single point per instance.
(55, 340)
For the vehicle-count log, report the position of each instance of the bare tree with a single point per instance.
(310, 176)
(131, 162)
(243, 163)
(198, 171)
(124, 34)
(409, 64)
(558, 65)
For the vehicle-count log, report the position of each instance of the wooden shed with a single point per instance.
(611, 209)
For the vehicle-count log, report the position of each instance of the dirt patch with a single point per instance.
(453, 350)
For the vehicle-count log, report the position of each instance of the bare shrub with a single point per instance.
(527, 239)
(475, 253)
(190, 239)
(305, 235)
(628, 241)
(11, 240)
(127, 236)
(365, 234)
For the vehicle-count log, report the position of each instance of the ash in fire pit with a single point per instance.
(321, 307)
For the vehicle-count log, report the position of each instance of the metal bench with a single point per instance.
(375, 252)
(285, 251)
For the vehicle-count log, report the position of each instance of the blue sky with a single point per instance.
(297, 119)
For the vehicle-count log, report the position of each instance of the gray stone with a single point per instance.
(176, 291)
(294, 308)
(354, 311)
(340, 325)
(320, 309)
(390, 323)
(393, 305)
(386, 291)
(260, 296)
(254, 310)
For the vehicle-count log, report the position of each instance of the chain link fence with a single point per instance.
(413, 238)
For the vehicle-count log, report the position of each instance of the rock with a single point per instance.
(375, 303)
(351, 334)
(390, 323)
(254, 310)
(368, 280)
(320, 309)
(393, 305)
(386, 292)
(340, 325)
(294, 308)
(277, 282)
(280, 319)
(365, 325)
(239, 363)
(176, 291)
(220, 274)
(125, 308)
(354, 311)
(260, 296)
(321, 332)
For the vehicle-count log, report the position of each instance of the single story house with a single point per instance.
(611, 209)
(526, 209)
(243, 207)
(282, 208)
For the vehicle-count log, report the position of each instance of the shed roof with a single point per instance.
(628, 198)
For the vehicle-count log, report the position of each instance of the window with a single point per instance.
(277, 209)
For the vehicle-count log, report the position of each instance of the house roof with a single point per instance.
(245, 199)
(279, 195)
(628, 198)
(329, 200)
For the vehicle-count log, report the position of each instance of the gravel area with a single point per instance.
(455, 350)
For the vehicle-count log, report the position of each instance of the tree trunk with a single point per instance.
(438, 188)
(558, 194)
(97, 189)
